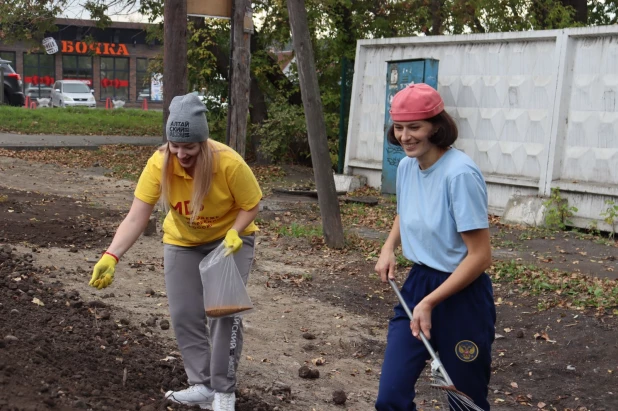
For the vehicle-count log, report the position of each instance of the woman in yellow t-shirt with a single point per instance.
(192, 169)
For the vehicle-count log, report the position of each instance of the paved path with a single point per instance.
(35, 141)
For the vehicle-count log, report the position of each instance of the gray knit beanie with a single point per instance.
(187, 120)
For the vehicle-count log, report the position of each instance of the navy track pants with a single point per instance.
(462, 332)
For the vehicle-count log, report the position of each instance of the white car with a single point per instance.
(72, 93)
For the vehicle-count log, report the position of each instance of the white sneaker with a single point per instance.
(197, 394)
(224, 401)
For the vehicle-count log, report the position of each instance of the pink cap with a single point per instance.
(416, 102)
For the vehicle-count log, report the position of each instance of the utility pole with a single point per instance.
(316, 127)
(174, 54)
(240, 75)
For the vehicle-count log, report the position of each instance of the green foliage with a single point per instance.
(602, 12)
(217, 122)
(28, 20)
(611, 216)
(402, 261)
(284, 134)
(558, 212)
(202, 63)
(99, 12)
(594, 229)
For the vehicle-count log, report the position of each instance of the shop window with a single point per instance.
(142, 79)
(39, 75)
(8, 55)
(115, 78)
(77, 68)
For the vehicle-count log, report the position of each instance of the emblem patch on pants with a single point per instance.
(466, 351)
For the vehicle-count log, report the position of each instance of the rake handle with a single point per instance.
(433, 354)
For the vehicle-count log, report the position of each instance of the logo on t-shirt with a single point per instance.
(178, 129)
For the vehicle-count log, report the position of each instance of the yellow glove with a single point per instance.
(232, 242)
(103, 273)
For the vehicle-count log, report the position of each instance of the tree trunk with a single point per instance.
(316, 127)
(258, 112)
(581, 9)
(436, 17)
(174, 54)
(240, 76)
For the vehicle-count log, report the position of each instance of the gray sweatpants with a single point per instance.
(210, 349)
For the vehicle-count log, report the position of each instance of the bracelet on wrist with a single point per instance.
(113, 255)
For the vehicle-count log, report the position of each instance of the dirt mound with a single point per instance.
(48, 220)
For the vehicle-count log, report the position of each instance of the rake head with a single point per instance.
(437, 393)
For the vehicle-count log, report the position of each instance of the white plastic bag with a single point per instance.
(225, 293)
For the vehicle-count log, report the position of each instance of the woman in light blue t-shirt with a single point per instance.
(442, 226)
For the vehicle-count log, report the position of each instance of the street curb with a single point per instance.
(16, 148)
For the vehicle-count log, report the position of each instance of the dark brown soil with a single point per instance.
(576, 367)
(556, 359)
(58, 351)
(571, 251)
(72, 353)
(53, 221)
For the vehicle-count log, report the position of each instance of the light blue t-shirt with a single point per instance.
(436, 205)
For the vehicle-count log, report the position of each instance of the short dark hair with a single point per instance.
(444, 137)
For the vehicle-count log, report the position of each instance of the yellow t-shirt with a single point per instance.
(233, 187)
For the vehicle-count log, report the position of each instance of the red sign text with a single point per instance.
(106, 49)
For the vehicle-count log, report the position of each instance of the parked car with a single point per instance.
(38, 92)
(144, 93)
(12, 85)
(72, 93)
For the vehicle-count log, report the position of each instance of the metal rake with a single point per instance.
(447, 396)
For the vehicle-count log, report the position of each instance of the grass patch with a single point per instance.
(558, 288)
(81, 121)
(298, 230)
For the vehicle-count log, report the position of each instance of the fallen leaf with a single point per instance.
(541, 405)
(38, 302)
(514, 385)
(521, 398)
(543, 336)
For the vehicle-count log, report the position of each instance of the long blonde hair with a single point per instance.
(206, 164)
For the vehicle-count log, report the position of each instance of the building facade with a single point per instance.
(112, 61)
